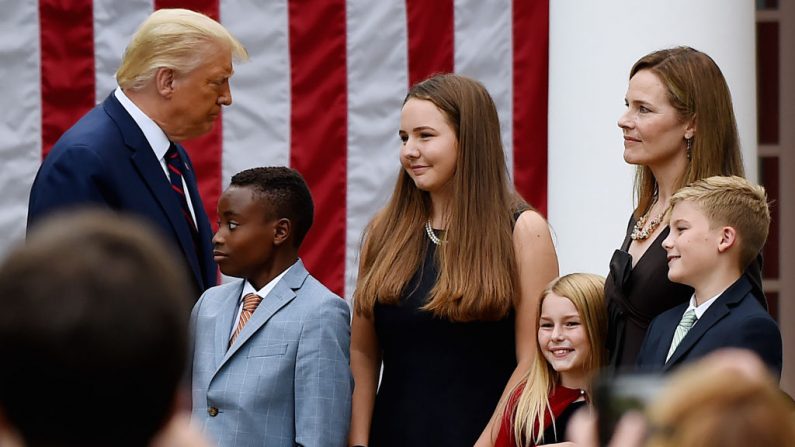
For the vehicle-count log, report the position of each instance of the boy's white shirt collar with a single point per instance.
(700, 310)
(266, 289)
(263, 292)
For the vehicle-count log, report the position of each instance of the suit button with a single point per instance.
(212, 411)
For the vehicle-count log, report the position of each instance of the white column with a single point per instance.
(592, 48)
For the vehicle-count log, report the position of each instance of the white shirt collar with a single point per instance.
(265, 290)
(704, 306)
(152, 132)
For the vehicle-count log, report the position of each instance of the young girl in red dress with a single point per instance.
(571, 328)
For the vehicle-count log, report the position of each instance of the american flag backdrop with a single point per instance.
(321, 93)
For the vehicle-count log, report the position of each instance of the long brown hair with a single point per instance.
(698, 91)
(477, 278)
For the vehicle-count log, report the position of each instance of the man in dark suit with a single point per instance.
(124, 154)
(718, 226)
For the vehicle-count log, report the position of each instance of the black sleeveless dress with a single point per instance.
(441, 380)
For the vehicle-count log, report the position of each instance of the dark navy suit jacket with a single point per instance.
(105, 160)
(735, 319)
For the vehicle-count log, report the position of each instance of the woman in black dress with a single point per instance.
(678, 127)
(450, 274)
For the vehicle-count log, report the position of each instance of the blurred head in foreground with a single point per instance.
(93, 333)
(728, 399)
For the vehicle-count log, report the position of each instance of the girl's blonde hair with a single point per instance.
(586, 292)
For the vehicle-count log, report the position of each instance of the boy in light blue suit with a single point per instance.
(271, 354)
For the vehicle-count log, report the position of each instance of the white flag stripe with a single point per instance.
(256, 128)
(483, 50)
(20, 116)
(114, 23)
(377, 80)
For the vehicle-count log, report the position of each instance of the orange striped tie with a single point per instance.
(250, 303)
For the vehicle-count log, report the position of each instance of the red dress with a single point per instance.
(559, 400)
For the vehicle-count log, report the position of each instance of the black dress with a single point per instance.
(636, 295)
(441, 380)
(553, 435)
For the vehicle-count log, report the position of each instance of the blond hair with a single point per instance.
(698, 91)
(478, 277)
(586, 292)
(714, 406)
(172, 38)
(734, 202)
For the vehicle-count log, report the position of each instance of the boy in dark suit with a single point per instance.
(271, 352)
(718, 226)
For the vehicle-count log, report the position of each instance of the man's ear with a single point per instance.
(164, 82)
(282, 230)
(728, 237)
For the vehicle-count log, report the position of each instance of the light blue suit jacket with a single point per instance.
(286, 380)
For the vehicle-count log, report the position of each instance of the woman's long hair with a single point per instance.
(586, 292)
(697, 90)
(477, 277)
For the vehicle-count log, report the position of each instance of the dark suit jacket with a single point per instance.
(105, 160)
(735, 319)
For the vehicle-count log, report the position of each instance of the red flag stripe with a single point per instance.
(318, 123)
(431, 38)
(67, 65)
(205, 151)
(530, 81)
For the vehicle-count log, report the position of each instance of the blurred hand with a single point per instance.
(180, 433)
(630, 431)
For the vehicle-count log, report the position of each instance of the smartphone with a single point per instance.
(615, 395)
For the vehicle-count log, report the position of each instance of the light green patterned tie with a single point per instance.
(687, 321)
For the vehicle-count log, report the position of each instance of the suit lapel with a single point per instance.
(227, 313)
(151, 172)
(202, 221)
(716, 312)
(668, 328)
(282, 294)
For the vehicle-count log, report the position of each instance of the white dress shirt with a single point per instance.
(263, 292)
(155, 136)
(700, 309)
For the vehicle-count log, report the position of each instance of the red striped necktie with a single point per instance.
(175, 166)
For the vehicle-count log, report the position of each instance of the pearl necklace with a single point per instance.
(429, 231)
(641, 234)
